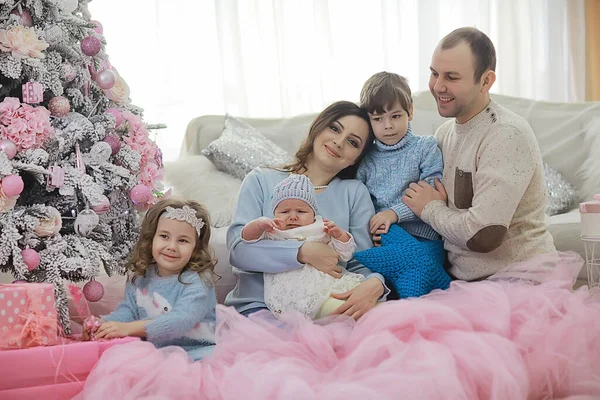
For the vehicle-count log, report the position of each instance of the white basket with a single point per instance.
(592, 259)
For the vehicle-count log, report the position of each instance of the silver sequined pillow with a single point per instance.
(241, 148)
(562, 196)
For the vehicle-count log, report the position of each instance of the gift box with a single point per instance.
(590, 218)
(51, 372)
(27, 315)
(33, 92)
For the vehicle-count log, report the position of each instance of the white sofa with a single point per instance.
(568, 135)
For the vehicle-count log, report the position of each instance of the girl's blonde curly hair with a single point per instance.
(202, 260)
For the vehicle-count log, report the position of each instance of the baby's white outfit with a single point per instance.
(305, 289)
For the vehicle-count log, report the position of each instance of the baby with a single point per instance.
(305, 289)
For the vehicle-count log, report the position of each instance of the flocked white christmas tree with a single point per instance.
(76, 160)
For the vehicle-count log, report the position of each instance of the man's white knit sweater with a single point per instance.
(494, 177)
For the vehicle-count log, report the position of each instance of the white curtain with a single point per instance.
(278, 58)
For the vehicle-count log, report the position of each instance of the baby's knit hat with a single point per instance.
(295, 187)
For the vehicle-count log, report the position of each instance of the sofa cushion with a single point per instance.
(562, 196)
(241, 148)
(197, 178)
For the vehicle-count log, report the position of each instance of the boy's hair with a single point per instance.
(482, 48)
(382, 90)
(202, 260)
(324, 120)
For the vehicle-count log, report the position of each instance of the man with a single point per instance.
(493, 171)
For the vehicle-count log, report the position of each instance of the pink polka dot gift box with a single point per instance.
(27, 315)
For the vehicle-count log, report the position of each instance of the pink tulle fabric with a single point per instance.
(522, 334)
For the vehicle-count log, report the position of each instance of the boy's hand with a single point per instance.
(335, 231)
(382, 220)
(112, 330)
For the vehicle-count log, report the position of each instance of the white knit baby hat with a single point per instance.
(295, 187)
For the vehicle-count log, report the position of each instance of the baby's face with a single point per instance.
(294, 213)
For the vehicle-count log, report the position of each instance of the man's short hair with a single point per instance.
(382, 90)
(480, 44)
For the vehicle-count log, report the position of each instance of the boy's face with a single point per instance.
(391, 126)
(294, 213)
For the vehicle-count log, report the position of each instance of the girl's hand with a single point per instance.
(335, 231)
(360, 299)
(383, 219)
(90, 327)
(112, 329)
(321, 257)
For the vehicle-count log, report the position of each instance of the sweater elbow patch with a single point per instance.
(487, 239)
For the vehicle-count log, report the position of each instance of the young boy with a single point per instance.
(306, 289)
(412, 255)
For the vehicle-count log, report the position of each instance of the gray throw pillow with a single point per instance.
(562, 196)
(241, 148)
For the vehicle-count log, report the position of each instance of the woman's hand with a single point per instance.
(321, 257)
(360, 299)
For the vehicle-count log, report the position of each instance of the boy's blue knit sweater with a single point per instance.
(388, 170)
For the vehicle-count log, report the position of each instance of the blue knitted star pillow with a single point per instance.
(413, 267)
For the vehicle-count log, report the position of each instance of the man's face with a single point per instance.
(452, 83)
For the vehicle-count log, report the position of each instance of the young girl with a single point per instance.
(169, 296)
(306, 289)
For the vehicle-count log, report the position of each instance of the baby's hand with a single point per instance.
(268, 225)
(383, 220)
(335, 231)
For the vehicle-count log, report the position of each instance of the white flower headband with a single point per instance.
(184, 214)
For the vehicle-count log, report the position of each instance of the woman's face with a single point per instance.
(340, 144)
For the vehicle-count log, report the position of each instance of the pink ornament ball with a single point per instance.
(117, 114)
(114, 143)
(102, 207)
(8, 147)
(98, 29)
(12, 185)
(106, 79)
(93, 291)
(31, 258)
(91, 45)
(140, 194)
(24, 17)
(59, 106)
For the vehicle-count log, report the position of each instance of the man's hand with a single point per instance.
(383, 220)
(418, 195)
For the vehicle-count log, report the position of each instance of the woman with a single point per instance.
(336, 141)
